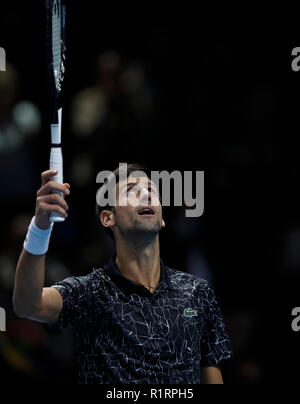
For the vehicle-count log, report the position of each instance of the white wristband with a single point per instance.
(37, 240)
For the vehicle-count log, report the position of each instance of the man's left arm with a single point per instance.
(211, 375)
(215, 345)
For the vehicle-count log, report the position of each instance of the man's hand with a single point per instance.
(47, 201)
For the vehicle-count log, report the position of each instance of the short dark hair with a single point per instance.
(132, 167)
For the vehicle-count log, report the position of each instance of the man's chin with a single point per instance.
(148, 227)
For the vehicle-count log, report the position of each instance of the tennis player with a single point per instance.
(135, 320)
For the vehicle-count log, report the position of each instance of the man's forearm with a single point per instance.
(29, 283)
(211, 375)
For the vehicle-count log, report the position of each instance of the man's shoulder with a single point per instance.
(186, 280)
(83, 281)
(96, 275)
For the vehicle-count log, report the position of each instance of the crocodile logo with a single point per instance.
(190, 312)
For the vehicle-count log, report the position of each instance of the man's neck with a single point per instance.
(140, 264)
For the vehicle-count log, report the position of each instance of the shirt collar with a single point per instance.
(114, 272)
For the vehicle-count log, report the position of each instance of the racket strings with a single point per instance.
(56, 44)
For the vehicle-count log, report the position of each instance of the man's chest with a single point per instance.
(152, 325)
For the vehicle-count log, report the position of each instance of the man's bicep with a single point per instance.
(51, 306)
(211, 375)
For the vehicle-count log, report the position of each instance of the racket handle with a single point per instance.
(56, 163)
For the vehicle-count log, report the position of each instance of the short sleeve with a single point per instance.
(76, 295)
(215, 344)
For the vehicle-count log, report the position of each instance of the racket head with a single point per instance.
(56, 52)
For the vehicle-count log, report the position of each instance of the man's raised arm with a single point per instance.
(30, 299)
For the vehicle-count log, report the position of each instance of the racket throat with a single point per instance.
(56, 130)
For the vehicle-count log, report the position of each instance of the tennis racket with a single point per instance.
(56, 56)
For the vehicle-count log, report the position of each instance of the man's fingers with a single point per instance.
(52, 199)
(51, 186)
(46, 208)
(47, 175)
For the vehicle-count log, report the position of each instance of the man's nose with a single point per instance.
(145, 195)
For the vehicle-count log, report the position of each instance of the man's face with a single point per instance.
(138, 208)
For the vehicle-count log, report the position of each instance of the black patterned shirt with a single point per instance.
(126, 334)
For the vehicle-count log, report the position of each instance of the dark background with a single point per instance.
(177, 88)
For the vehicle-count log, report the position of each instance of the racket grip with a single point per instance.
(56, 163)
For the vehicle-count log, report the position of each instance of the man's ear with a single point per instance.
(107, 218)
(163, 223)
